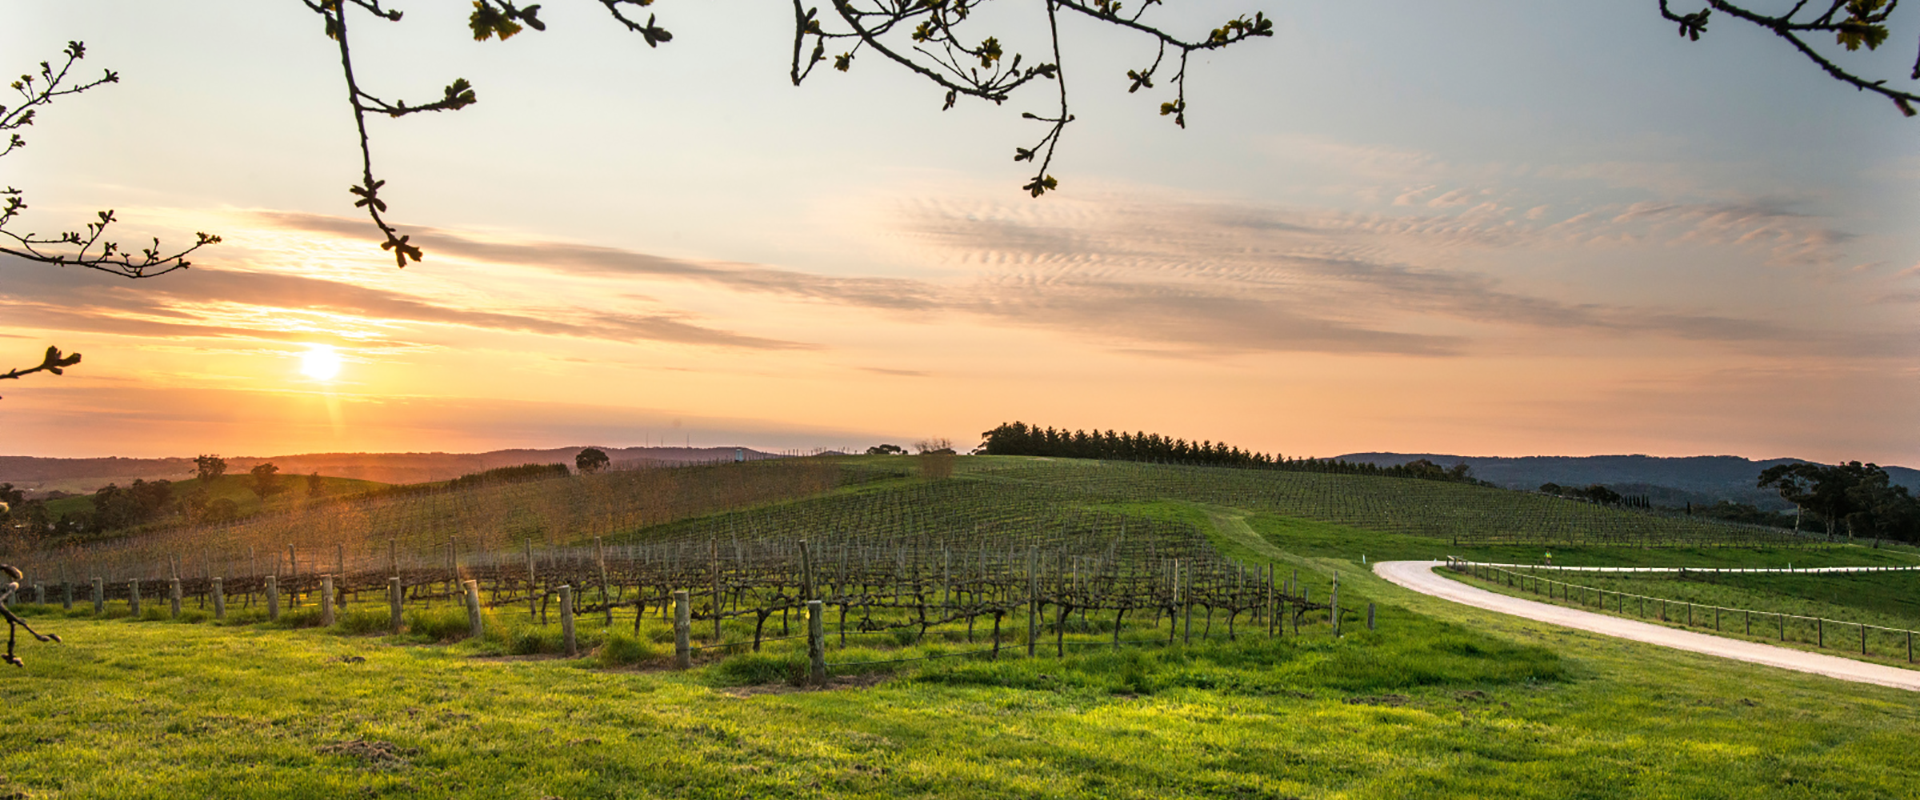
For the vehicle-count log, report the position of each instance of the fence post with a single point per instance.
(173, 596)
(1033, 598)
(1334, 602)
(99, 596)
(273, 598)
(66, 595)
(1820, 623)
(395, 593)
(475, 628)
(219, 600)
(133, 597)
(533, 608)
(816, 643)
(39, 595)
(326, 601)
(1369, 616)
(566, 620)
(682, 620)
(1863, 638)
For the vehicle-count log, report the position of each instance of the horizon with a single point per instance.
(1372, 236)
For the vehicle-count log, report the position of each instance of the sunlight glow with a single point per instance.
(321, 362)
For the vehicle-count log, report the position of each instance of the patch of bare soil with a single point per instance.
(375, 755)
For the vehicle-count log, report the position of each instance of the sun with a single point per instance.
(321, 362)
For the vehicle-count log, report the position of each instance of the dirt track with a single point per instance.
(1420, 577)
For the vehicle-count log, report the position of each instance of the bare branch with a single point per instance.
(73, 248)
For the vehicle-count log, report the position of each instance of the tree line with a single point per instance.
(1021, 439)
(1860, 499)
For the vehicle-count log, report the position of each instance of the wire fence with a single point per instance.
(1786, 627)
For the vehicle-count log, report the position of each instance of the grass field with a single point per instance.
(1441, 701)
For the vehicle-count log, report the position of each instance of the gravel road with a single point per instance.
(1420, 577)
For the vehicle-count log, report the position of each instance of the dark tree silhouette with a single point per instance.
(209, 468)
(591, 460)
(266, 480)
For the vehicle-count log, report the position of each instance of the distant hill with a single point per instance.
(81, 475)
(1668, 481)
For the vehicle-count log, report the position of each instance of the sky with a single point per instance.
(1497, 228)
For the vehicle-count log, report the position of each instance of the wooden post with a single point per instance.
(273, 598)
(39, 595)
(720, 593)
(1369, 616)
(1185, 599)
(133, 597)
(395, 593)
(682, 619)
(293, 575)
(66, 595)
(393, 554)
(1033, 598)
(219, 600)
(475, 626)
(1333, 612)
(533, 605)
(806, 571)
(99, 596)
(173, 596)
(566, 620)
(1863, 638)
(1821, 624)
(326, 601)
(816, 643)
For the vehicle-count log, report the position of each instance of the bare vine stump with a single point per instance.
(475, 627)
(816, 643)
(273, 598)
(566, 621)
(219, 600)
(395, 594)
(326, 601)
(682, 620)
(173, 596)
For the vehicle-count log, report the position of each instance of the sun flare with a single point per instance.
(321, 362)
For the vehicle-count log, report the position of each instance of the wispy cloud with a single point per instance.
(208, 302)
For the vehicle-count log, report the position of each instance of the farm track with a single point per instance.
(1419, 576)
(1699, 570)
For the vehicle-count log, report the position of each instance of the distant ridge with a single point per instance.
(1669, 481)
(40, 475)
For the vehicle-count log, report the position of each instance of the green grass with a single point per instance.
(1440, 701)
(1424, 707)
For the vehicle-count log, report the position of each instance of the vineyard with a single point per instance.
(1005, 550)
(1464, 514)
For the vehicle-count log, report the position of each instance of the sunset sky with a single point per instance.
(1496, 228)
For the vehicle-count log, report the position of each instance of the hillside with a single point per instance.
(81, 475)
(1701, 480)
